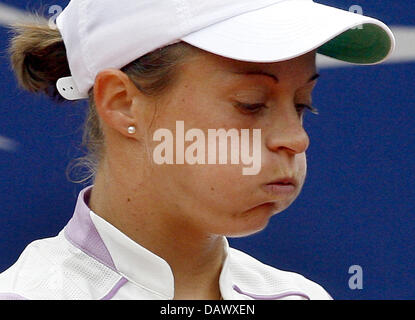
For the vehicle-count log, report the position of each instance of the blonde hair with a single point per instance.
(38, 59)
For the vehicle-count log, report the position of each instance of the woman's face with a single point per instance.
(219, 198)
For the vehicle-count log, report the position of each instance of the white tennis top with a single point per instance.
(91, 259)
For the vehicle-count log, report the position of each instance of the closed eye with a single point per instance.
(256, 107)
(250, 108)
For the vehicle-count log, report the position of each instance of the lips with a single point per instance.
(284, 181)
(281, 187)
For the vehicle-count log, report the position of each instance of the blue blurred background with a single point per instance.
(355, 207)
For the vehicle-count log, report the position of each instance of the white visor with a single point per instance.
(115, 33)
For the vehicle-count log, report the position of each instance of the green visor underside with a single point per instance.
(366, 44)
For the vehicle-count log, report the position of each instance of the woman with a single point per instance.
(152, 228)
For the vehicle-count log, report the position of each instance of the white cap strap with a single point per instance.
(68, 89)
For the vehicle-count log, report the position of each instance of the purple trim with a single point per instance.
(81, 232)
(270, 297)
(11, 296)
(115, 289)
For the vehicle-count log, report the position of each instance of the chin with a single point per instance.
(245, 231)
(252, 221)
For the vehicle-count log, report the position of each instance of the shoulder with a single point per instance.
(261, 281)
(53, 268)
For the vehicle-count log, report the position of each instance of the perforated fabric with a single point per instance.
(54, 269)
(267, 282)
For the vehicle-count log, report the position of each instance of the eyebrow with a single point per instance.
(274, 77)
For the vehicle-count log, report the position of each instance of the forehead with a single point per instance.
(304, 64)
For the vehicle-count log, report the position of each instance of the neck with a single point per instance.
(195, 257)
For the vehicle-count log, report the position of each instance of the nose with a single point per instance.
(286, 132)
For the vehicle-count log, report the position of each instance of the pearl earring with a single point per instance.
(131, 129)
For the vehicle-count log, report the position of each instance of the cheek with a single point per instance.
(208, 184)
(214, 187)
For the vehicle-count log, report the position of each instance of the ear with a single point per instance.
(116, 100)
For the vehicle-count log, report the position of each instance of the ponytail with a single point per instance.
(38, 57)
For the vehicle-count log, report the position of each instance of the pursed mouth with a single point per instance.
(284, 181)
